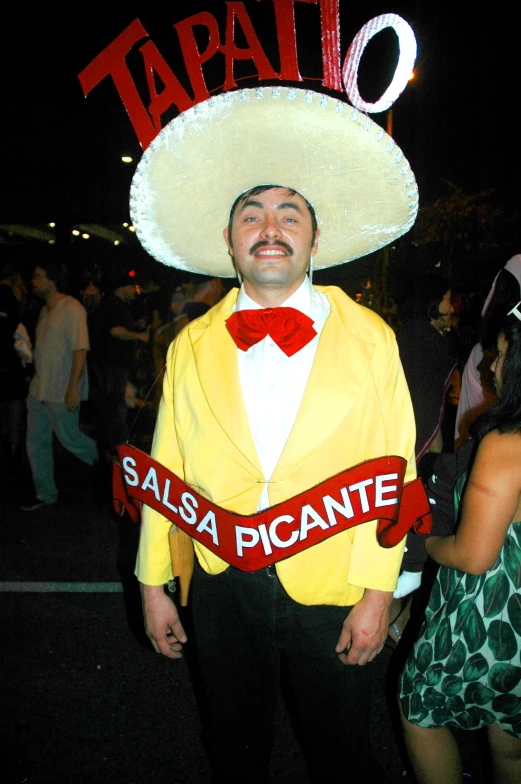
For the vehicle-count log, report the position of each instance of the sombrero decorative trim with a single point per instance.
(355, 176)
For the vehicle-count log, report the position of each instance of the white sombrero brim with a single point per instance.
(355, 176)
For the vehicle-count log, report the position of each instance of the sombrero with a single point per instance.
(355, 176)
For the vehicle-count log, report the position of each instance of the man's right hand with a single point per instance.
(162, 623)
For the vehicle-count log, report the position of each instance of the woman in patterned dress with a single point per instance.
(465, 668)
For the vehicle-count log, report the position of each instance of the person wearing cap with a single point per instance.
(114, 335)
(59, 384)
(277, 388)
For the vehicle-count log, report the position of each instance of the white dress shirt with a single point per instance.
(273, 384)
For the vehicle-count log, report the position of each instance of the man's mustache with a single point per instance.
(265, 243)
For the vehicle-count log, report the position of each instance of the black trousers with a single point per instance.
(110, 410)
(249, 634)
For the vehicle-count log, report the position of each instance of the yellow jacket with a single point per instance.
(356, 407)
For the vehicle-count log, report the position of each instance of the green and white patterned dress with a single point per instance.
(465, 668)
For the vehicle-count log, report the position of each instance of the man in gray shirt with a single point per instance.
(59, 383)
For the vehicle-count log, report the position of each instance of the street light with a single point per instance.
(385, 303)
(389, 124)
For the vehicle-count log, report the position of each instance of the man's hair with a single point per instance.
(193, 310)
(55, 271)
(10, 271)
(261, 189)
(422, 296)
(198, 284)
(506, 415)
(123, 276)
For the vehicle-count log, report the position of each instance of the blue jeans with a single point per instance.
(251, 637)
(44, 419)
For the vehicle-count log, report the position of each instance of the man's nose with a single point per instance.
(271, 227)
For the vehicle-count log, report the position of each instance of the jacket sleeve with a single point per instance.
(153, 565)
(372, 566)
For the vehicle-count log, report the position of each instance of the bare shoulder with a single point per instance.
(502, 441)
(500, 453)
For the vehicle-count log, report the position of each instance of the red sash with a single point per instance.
(368, 491)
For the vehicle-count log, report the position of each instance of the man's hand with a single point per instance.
(365, 629)
(71, 398)
(162, 623)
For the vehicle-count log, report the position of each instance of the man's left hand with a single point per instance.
(365, 629)
(72, 399)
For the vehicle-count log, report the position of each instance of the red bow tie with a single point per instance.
(289, 328)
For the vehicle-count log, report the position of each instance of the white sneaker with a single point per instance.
(35, 504)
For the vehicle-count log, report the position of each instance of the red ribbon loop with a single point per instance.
(290, 329)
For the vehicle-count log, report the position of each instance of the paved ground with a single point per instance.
(84, 697)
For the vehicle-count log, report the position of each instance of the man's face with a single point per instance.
(271, 241)
(42, 286)
(18, 288)
(445, 309)
(128, 293)
(178, 300)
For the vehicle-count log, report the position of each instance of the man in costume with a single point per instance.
(250, 419)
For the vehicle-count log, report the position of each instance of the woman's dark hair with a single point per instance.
(422, 295)
(505, 416)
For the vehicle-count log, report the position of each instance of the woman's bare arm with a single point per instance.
(492, 501)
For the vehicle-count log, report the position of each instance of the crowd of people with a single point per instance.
(72, 368)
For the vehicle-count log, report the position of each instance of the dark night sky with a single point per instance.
(62, 151)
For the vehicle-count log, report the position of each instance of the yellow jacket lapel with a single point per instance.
(215, 356)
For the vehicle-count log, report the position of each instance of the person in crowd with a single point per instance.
(464, 669)
(429, 366)
(206, 289)
(59, 384)
(426, 313)
(91, 291)
(477, 388)
(187, 311)
(114, 335)
(187, 302)
(15, 360)
(252, 417)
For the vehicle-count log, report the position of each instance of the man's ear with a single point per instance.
(226, 235)
(314, 247)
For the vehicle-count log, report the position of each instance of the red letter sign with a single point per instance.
(112, 61)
